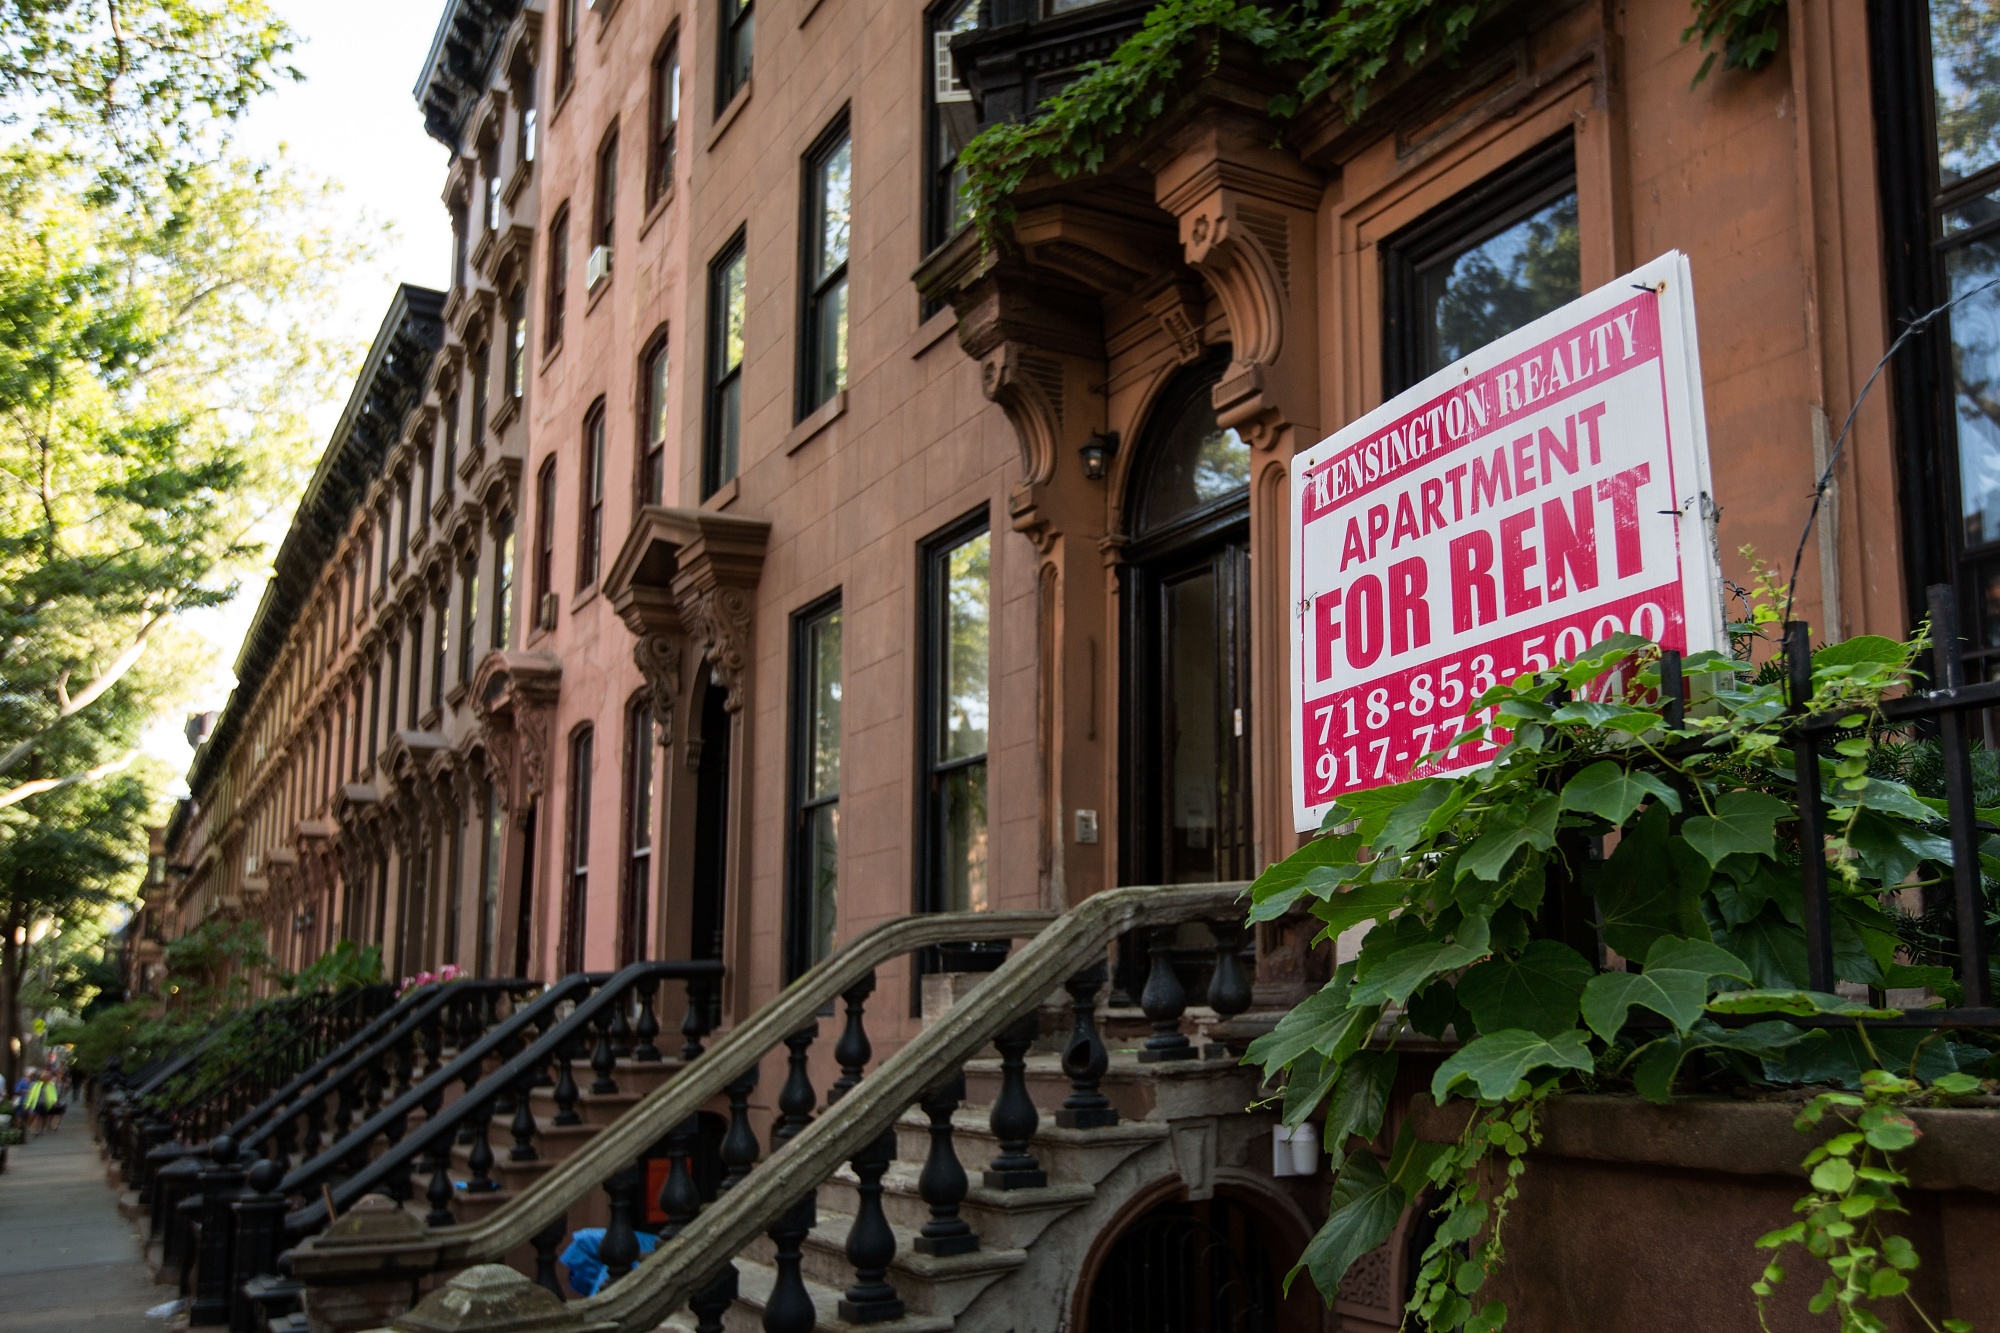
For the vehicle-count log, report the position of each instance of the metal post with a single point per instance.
(1812, 820)
(1967, 901)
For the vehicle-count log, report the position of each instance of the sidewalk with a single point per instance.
(68, 1262)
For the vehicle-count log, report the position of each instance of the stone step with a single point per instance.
(1002, 1219)
(926, 1283)
(1068, 1156)
(1138, 1091)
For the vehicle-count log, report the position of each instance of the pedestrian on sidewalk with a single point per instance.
(63, 1085)
(41, 1100)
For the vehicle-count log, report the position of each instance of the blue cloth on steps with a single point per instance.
(586, 1274)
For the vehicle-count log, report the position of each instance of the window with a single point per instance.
(416, 671)
(544, 580)
(375, 713)
(1938, 156)
(517, 341)
(653, 422)
(829, 196)
(565, 45)
(635, 891)
(458, 244)
(503, 582)
(489, 170)
(956, 609)
(558, 282)
(384, 543)
(450, 443)
(814, 898)
(590, 488)
(424, 470)
(1497, 256)
(392, 677)
(440, 649)
(576, 877)
(726, 310)
(604, 216)
(492, 831)
(524, 123)
(666, 120)
(953, 122)
(481, 364)
(733, 69)
(468, 610)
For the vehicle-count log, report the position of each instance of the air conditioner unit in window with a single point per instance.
(597, 268)
(545, 614)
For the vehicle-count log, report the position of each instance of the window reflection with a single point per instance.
(1975, 360)
(1965, 77)
(1503, 282)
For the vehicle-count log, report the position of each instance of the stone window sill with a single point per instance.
(731, 112)
(821, 417)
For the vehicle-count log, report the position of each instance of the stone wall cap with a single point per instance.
(493, 1298)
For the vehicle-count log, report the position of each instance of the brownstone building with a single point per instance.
(740, 555)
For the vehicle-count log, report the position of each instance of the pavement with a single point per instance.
(68, 1262)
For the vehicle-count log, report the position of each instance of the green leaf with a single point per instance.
(1374, 806)
(1395, 976)
(1406, 825)
(1324, 1021)
(1284, 879)
(1862, 649)
(1360, 1097)
(1833, 1176)
(1890, 797)
(1644, 890)
(1536, 991)
(1494, 1063)
(1348, 908)
(1743, 822)
(1523, 824)
(1660, 1061)
(1362, 1210)
(1306, 1087)
(1899, 1252)
(1612, 794)
(1802, 1002)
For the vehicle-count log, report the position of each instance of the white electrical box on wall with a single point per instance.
(1295, 1152)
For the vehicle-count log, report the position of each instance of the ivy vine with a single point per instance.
(1340, 46)
(1703, 887)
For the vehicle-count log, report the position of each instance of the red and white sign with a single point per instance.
(1503, 515)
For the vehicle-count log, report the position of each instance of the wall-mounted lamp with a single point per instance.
(1097, 453)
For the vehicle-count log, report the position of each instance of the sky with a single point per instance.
(353, 121)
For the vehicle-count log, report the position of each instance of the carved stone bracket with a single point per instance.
(514, 699)
(692, 572)
(659, 660)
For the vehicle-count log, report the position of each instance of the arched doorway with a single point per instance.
(710, 881)
(1212, 1265)
(1185, 588)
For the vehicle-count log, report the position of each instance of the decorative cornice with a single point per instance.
(460, 64)
(709, 564)
(514, 696)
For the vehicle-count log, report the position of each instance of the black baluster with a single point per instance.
(260, 1221)
(315, 1131)
(1084, 1058)
(619, 1250)
(796, 1099)
(546, 1242)
(739, 1141)
(284, 1141)
(480, 1161)
(438, 1194)
(1816, 911)
(621, 1028)
(1014, 1119)
(712, 1300)
(789, 1308)
(1968, 903)
(601, 1059)
(1228, 986)
(851, 1052)
(524, 1119)
(648, 1027)
(871, 1244)
(698, 1021)
(1164, 1001)
(433, 1045)
(679, 1199)
(942, 1184)
(566, 1090)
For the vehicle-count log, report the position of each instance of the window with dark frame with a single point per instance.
(653, 376)
(812, 906)
(402, 510)
(440, 648)
(665, 119)
(459, 244)
(565, 45)
(558, 280)
(392, 681)
(489, 174)
(636, 888)
(416, 695)
(468, 618)
(732, 70)
(482, 365)
(503, 582)
(590, 499)
(727, 308)
(525, 120)
(375, 713)
(604, 210)
(951, 121)
(954, 624)
(1937, 129)
(451, 406)
(826, 216)
(517, 341)
(425, 468)
(544, 582)
(576, 862)
(1482, 264)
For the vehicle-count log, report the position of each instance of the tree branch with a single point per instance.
(76, 703)
(14, 795)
